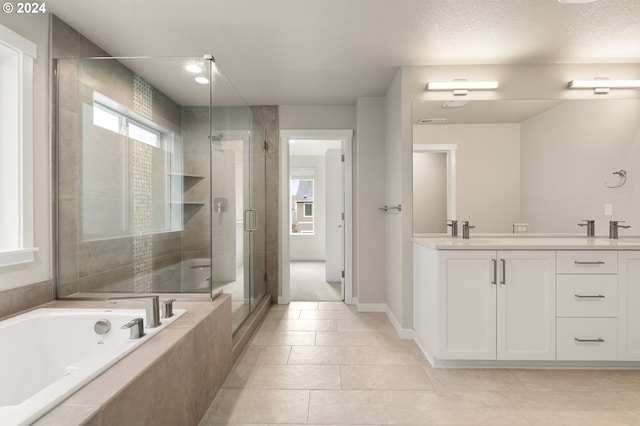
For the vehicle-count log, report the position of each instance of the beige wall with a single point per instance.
(574, 148)
(369, 196)
(313, 117)
(36, 29)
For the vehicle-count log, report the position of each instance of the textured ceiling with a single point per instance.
(332, 51)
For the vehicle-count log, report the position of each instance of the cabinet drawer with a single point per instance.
(587, 262)
(588, 339)
(587, 295)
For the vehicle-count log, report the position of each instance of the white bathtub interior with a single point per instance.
(48, 354)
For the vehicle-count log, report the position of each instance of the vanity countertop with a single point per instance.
(545, 242)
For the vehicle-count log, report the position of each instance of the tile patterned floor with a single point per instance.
(323, 363)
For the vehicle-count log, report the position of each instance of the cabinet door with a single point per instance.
(526, 314)
(629, 305)
(467, 302)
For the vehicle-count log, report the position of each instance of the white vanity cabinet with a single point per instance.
(629, 305)
(527, 301)
(496, 305)
(587, 305)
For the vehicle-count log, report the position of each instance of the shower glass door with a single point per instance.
(157, 170)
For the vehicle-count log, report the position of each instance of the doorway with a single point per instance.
(315, 262)
(434, 187)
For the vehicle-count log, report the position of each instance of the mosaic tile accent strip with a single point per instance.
(142, 96)
(142, 202)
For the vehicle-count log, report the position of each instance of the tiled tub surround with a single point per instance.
(169, 380)
(26, 297)
(51, 353)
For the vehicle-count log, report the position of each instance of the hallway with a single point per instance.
(325, 363)
(308, 283)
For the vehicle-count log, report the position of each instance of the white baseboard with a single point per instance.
(403, 333)
(371, 307)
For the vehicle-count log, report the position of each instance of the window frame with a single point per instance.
(22, 249)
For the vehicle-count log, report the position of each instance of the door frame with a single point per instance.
(346, 136)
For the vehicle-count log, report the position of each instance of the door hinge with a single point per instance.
(266, 146)
(342, 215)
(342, 158)
(342, 274)
(265, 277)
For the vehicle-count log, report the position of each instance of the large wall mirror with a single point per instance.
(547, 164)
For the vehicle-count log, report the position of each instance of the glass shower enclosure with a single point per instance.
(160, 182)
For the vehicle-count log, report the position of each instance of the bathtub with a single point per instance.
(48, 354)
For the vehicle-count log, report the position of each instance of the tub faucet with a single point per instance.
(151, 307)
(465, 229)
(591, 227)
(613, 228)
(136, 328)
(454, 227)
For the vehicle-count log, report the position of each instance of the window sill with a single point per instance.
(17, 257)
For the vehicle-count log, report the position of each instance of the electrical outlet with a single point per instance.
(608, 210)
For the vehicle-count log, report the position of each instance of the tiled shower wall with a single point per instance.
(87, 265)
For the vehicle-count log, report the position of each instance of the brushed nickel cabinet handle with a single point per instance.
(494, 279)
(596, 340)
(589, 296)
(597, 262)
(504, 271)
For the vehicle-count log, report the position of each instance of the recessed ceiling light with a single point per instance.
(194, 68)
(202, 80)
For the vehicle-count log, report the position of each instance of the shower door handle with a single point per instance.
(247, 220)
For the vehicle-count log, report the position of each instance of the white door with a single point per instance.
(526, 316)
(334, 234)
(467, 316)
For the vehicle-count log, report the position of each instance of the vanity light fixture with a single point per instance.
(462, 87)
(601, 86)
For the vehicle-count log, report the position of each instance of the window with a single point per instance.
(110, 119)
(16, 148)
(133, 154)
(302, 201)
(308, 209)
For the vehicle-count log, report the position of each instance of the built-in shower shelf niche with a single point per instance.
(186, 176)
(186, 180)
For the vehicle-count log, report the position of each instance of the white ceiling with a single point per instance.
(332, 51)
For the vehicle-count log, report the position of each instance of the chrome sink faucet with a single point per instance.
(454, 227)
(151, 307)
(465, 229)
(613, 228)
(591, 227)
